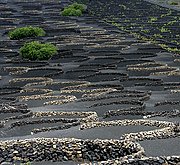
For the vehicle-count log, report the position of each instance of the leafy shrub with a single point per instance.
(24, 32)
(37, 51)
(71, 12)
(75, 9)
(173, 3)
(78, 6)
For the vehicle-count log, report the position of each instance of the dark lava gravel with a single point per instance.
(102, 73)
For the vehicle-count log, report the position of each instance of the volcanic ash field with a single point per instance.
(106, 98)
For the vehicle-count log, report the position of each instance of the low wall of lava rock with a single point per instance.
(54, 149)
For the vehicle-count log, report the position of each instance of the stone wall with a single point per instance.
(54, 149)
(163, 160)
(167, 129)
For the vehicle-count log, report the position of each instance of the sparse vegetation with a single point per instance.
(38, 51)
(145, 31)
(75, 9)
(173, 3)
(24, 32)
(157, 36)
(152, 19)
(163, 30)
(71, 12)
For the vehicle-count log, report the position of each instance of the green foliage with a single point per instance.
(71, 12)
(173, 3)
(145, 31)
(163, 30)
(78, 6)
(24, 32)
(75, 9)
(157, 36)
(37, 51)
(152, 19)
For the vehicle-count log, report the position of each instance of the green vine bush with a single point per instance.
(75, 9)
(24, 32)
(38, 51)
(173, 3)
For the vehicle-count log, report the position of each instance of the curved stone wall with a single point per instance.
(53, 149)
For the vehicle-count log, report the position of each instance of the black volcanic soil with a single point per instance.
(106, 68)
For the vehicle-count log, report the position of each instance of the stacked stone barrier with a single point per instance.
(84, 116)
(79, 42)
(126, 122)
(146, 114)
(54, 149)
(16, 70)
(113, 94)
(41, 121)
(42, 81)
(168, 73)
(59, 127)
(167, 103)
(161, 160)
(166, 129)
(163, 133)
(131, 102)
